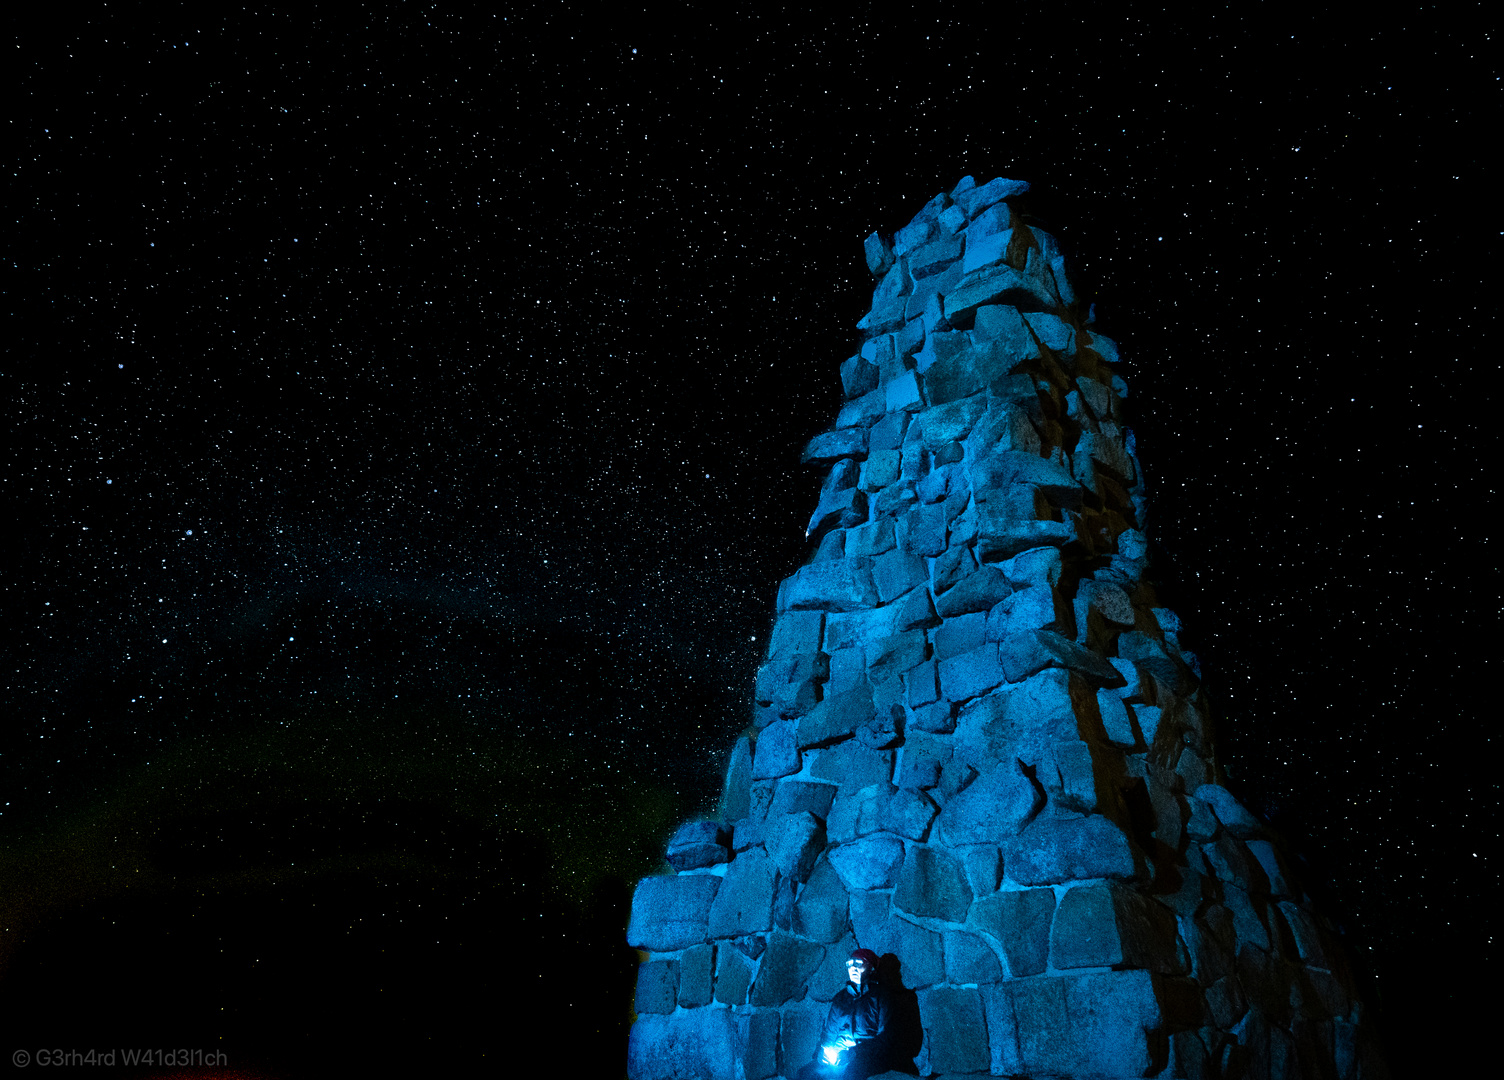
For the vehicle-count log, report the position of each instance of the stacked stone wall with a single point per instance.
(978, 746)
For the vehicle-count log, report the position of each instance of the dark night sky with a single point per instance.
(405, 411)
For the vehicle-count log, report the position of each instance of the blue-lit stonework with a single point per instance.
(978, 746)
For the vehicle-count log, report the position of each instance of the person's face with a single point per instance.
(855, 969)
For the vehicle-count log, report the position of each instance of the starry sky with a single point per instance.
(404, 418)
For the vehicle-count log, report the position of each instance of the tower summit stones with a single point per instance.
(977, 743)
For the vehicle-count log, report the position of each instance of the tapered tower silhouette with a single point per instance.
(978, 746)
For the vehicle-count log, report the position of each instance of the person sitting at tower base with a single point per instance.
(855, 1043)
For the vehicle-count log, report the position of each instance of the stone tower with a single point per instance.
(978, 746)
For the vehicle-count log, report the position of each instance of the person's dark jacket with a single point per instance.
(863, 1014)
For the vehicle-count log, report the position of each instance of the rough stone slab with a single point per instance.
(796, 632)
(1309, 939)
(853, 766)
(921, 684)
(955, 1030)
(970, 674)
(870, 912)
(844, 509)
(820, 913)
(1229, 811)
(1037, 608)
(872, 538)
(1116, 723)
(698, 844)
(958, 368)
(1202, 824)
(915, 611)
(1109, 600)
(1006, 427)
(969, 959)
(935, 256)
(940, 347)
(878, 471)
(1019, 921)
(920, 952)
(785, 969)
(977, 199)
(977, 592)
(1039, 566)
(979, 364)
(937, 718)
(870, 862)
(995, 807)
(777, 753)
(796, 844)
(951, 566)
(896, 283)
(987, 250)
(1053, 850)
(843, 585)
(1108, 455)
(736, 789)
(1230, 860)
(879, 254)
(909, 813)
(837, 717)
(657, 986)
(831, 446)
(984, 868)
(733, 975)
(897, 572)
(1068, 774)
(757, 1043)
(997, 284)
(862, 411)
(888, 433)
(1110, 925)
(1083, 1026)
(858, 377)
(1274, 867)
(694, 1045)
(671, 913)
(1019, 725)
(960, 634)
(1103, 346)
(848, 672)
(1006, 528)
(994, 219)
(856, 629)
(1022, 655)
(798, 796)
(696, 976)
(1247, 917)
(950, 423)
(920, 760)
(799, 1035)
(744, 902)
(932, 885)
(859, 813)
(934, 487)
(903, 393)
(921, 531)
(924, 228)
(790, 684)
(1226, 1001)
(1052, 331)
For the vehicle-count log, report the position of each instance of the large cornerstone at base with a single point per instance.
(978, 747)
